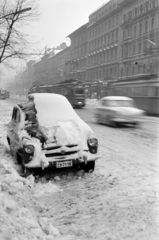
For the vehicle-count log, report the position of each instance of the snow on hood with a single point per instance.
(64, 133)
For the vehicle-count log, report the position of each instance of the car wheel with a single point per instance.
(19, 159)
(89, 167)
(110, 122)
(136, 125)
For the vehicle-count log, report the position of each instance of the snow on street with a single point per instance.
(120, 200)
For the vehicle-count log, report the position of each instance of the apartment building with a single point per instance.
(78, 53)
(104, 40)
(57, 68)
(140, 38)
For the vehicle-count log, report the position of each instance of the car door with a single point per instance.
(104, 110)
(13, 128)
(98, 110)
(101, 110)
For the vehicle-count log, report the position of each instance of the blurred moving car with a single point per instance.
(115, 110)
(47, 132)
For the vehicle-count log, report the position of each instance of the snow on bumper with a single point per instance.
(76, 158)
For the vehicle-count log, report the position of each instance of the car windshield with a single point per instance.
(52, 108)
(79, 91)
(121, 103)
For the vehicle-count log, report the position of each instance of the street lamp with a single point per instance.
(154, 44)
(148, 40)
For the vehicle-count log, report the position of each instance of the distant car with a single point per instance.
(114, 110)
(47, 132)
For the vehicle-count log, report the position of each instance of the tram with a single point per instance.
(145, 92)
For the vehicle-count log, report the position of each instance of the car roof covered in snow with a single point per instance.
(52, 107)
(117, 98)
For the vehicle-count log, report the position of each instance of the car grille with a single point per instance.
(51, 153)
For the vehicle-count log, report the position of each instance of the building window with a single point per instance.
(117, 35)
(152, 23)
(146, 26)
(109, 23)
(113, 37)
(102, 28)
(141, 9)
(134, 49)
(98, 29)
(140, 28)
(117, 19)
(113, 22)
(124, 35)
(140, 48)
(108, 38)
(135, 31)
(127, 70)
(105, 25)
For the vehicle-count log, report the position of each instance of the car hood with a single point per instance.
(70, 132)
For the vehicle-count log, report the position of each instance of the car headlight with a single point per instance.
(93, 142)
(29, 149)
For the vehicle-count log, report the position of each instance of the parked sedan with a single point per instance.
(114, 110)
(47, 132)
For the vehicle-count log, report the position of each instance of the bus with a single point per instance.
(145, 92)
(71, 89)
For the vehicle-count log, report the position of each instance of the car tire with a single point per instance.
(19, 159)
(89, 167)
(136, 125)
(110, 122)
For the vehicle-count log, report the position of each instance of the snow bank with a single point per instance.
(19, 219)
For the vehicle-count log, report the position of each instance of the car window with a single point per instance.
(103, 102)
(14, 113)
(121, 103)
(17, 118)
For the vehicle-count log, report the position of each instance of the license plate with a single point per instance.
(64, 164)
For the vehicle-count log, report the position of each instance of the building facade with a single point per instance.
(104, 40)
(120, 41)
(140, 38)
(78, 54)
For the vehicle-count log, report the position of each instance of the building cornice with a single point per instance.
(114, 12)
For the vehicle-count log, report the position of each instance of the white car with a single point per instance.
(47, 132)
(115, 110)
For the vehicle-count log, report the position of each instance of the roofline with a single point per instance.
(78, 29)
(99, 8)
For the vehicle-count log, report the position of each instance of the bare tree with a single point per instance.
(15, 15)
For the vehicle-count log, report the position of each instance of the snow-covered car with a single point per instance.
(115, 110)
(47, 132)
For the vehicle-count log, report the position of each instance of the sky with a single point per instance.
(58, 18)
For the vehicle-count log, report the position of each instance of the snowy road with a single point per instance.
(120, 200)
